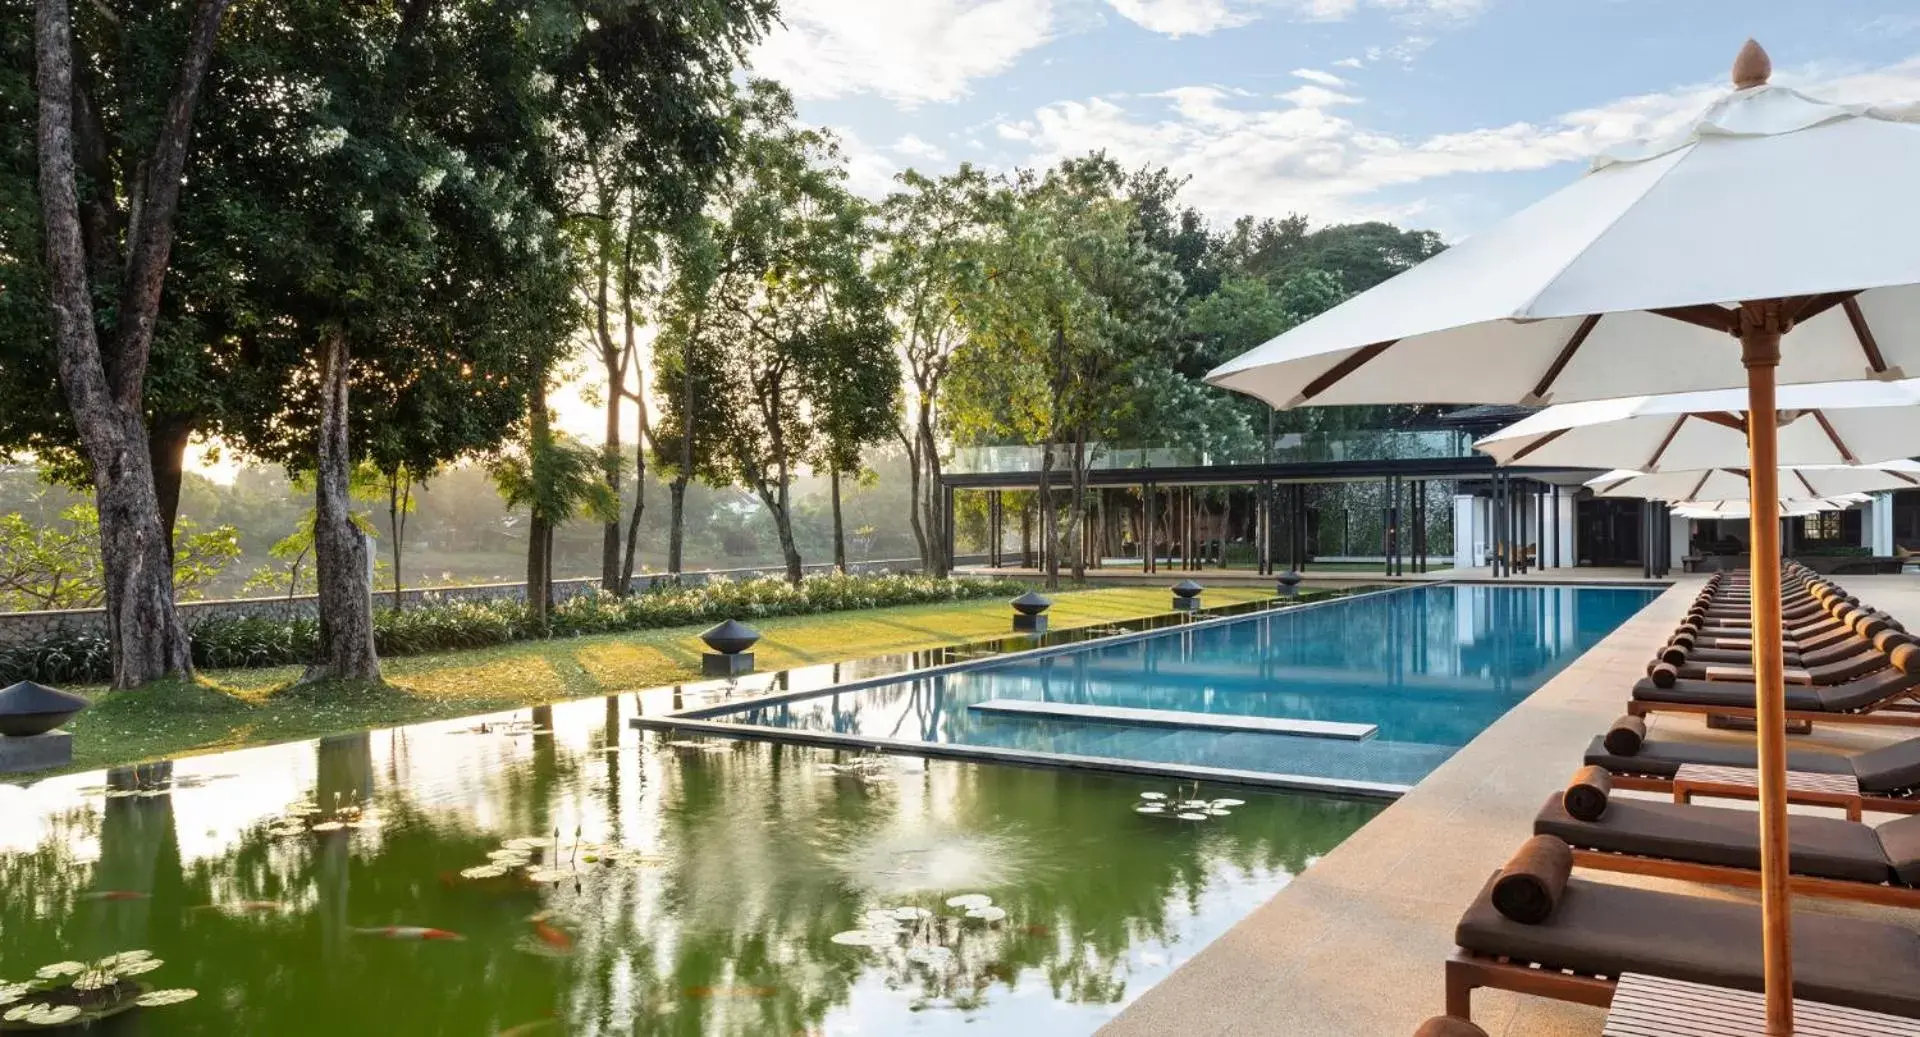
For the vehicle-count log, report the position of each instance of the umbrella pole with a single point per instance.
(1760, 329)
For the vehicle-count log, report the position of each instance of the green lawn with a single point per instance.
(227, 709)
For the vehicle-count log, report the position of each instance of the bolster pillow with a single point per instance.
(1673, 655)
(1448, 1026)
(1586, 795)
(1905, 657)
(1663, 674)
(1529, 887)
(1625, 736)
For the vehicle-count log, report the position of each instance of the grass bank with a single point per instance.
(228, 709)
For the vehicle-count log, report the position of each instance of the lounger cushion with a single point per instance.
(1900, 841)
(1890, 768)
(1720, 693)
(1825, 847)
(1660, 758)
(1604, 929)
(1865, 692)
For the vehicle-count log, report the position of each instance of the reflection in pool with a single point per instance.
(699, 886)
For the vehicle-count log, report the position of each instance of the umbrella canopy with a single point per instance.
(1618, 284)
(1770, 240)
(1739, 509)
(1801, 482)
(1828, 423)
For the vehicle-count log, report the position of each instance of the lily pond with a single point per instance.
(558, 872)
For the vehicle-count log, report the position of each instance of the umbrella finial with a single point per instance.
(1752, 67)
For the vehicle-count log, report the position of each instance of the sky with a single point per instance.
(1438, 114)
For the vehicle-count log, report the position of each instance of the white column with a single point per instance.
(1468, 546)
(1677, 535)
(1569, 549)
(1876, 526)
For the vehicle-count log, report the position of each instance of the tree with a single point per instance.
(118, 252)
(853, 381)
(1071, 333)
(772, 289)
(555, 478)
(932, 236)
(58, 566)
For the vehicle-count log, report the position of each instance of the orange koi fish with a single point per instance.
(551, 936)
(408, 932)
(525, 1029)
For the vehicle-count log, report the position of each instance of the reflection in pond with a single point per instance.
(547, 877)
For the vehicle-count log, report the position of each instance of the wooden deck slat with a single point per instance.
(1651, 1006)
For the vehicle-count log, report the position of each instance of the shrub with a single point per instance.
(226, 642)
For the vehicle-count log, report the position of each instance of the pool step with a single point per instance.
(1177, 718)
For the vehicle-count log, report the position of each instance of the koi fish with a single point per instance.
(709, 992)
(524, 1029)
(408, 932)
(551, 936)
(115, 894)
(1037, 930)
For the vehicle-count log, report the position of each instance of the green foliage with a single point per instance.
(556, 477)
(57, 565)
(234, 642)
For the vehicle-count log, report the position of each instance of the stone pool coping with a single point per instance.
(1353, 946)
(693, 720)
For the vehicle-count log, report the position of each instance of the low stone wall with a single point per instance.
(16, 627)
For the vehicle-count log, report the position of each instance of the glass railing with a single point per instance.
(1383, 445)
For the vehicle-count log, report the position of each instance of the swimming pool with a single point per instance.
(1416, 672)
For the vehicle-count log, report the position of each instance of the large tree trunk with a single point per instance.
(539, 576)
(610, 532)
(105, 388)
(167, 454)
(342, 562)
(676, 524)
(633, 520)
(1049, 527)
(839, 530)
(936, 522)
(915, 505)
(1076, 525)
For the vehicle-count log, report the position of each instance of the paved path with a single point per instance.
(1353, 947)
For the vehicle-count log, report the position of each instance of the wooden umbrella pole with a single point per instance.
(1761, 326)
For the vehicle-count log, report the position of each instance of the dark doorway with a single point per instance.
(1607, 531)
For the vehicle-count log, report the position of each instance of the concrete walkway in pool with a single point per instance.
(1169, 575)
(1353, 947)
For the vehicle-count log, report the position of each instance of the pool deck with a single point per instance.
(1168, 575)
(1353, 947)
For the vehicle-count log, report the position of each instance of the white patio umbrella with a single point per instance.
(1801, 482)
(1775, 221)
(1821, 424)
(1739, 509)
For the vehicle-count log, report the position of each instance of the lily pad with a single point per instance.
(988, 914)
(969, 901)
(549, 874)
(911, 914)
(484, 871)
(1153, 795)
(162, 998)
(861, 938)
(1190, 815)
(61, 968)
(1229, 802)
(1150, 808)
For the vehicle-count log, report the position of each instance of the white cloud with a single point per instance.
(909, 51)
(1401, 53)
(1200, 17)
(1349, 63)
(869, 171)
(1278, 156)
(1317, 97)
(1314, 75)
(914, 147)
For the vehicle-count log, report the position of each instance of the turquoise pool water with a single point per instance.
(1430, 667)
